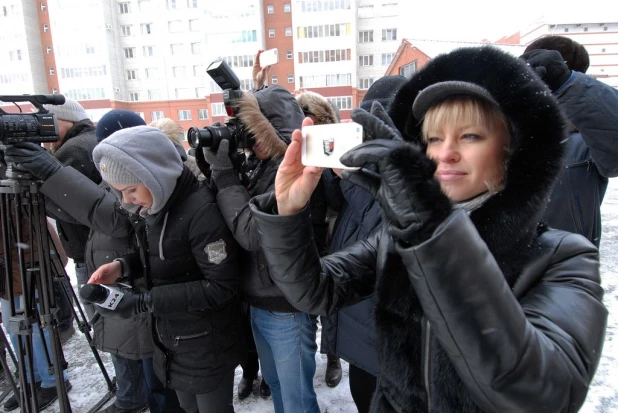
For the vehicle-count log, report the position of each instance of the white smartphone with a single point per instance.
(269, 57)
(323, 145)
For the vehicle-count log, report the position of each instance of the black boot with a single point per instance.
(333, 371)
(264, 389)
(47, 395)
(12, 403)
(245, 388)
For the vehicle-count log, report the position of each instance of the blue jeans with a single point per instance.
(286, 347)
(131, 393)
(161, 399)
(41, 372)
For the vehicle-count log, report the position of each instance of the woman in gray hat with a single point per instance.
(480, 307)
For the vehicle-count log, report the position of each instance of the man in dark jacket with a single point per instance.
(592, 148)
(270, 115)
(74, 148)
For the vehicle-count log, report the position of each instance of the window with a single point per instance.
(184, 115)
(288, 31)
(408, 70)
(48, 49)
(194, 25)
(202, 114)
(15, 54)
(154, 94)
(131, 74)
(387, 58)
(218, 109)
(141, 115)
(192, 4)
(174, 26)
(148, 51)
(389, 34)
(51, 71)
(196, 48)
(171, 4)
(287, 7)
(43, 7)
(89, 49)
(274, 80)
(365, 60)
(151, 73)
(45, 27)
(176, 48)
(178, 71)
(603, 50)
(289, 55)
(365, 11)
(270, 9)
(271, 32)
(341, 102)
(124, 8)
(365, 36)
(605, 28)
(566, 29)
(365, 83)
(146, 28)
(133, 96)
(198, 70)
(125, 31)
(129, 52)
(246, 84)
(290, 77)
(200, 92)
(585, 29)
(182, 93)
(156, 115)
(54, 90)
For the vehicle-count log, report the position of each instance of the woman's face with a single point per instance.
(135, 194)
(470, 154)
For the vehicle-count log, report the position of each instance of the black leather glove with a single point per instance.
(33, 159)
(219, 160)
(131, 303)
(550, 66)
(411, 198)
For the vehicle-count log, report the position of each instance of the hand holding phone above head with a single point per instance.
(323, 145)
(269, 57)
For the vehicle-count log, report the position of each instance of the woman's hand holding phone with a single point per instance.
(295, 182)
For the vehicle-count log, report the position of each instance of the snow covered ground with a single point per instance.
(89, 386)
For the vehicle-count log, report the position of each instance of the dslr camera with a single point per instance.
(232, 130)
(34, 127)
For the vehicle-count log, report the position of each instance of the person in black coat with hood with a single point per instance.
(480, 307)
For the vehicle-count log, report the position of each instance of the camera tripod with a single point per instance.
(29, 248)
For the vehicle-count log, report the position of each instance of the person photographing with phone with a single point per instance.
(480, 307)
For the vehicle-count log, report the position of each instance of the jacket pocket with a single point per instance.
(189, 338)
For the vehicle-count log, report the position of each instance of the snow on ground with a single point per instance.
(89, 386)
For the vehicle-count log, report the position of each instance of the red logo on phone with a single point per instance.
(329, 146)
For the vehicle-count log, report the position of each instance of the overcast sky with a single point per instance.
(473, 20)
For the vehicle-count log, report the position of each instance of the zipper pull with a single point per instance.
(176, 341)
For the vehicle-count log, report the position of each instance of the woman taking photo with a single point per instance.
(480, 307)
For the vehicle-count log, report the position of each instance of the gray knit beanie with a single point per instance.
(140, 155)
(70, 111)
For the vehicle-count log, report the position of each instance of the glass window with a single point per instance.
(124, 8)
(202, 114)
(198, 70)
(270, 9)
(287, 7)
(178, 71)
(200, 92)
(51, 71)
(129, 52)
(151, 73)
(48, 49)
(365, 83)
(365, 36)
(174, 26)
(218, 109)
(184, 115)
(148, 51)
(125, 31)
(288, 31)
(196, 48)
(408, 70)
(43, 7)
(387, 58)
(389, 34)
(156, 115)
(274, 80)
(171, 4)
(271, 32)
(192, 4)
(131, 74)
(194, 25)
(133, 96)
(365, 60)
(45, 27)
(154, 94)
(176, 48)
(146, 28)
(289, 54)
(291, 78)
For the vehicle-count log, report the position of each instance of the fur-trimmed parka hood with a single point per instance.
(315, 104)
(270, 114)
(509, 220)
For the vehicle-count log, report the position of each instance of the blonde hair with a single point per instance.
(171, 129)
(467, 110)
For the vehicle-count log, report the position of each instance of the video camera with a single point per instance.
(34, 127)
(232, 130)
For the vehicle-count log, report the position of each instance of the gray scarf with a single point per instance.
(474, 203)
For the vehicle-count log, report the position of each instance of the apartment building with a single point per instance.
(151, 56)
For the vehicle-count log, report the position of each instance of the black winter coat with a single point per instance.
(76, 151)
(592, 156)
(493, 313)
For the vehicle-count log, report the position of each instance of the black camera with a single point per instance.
(34, 127)
(232, 130)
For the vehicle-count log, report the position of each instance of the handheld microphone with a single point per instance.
(101, 295)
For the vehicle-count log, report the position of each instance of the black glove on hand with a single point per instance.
(550, 66)
(219, 160)
(404, 186)
(33, 159)
(131, 303)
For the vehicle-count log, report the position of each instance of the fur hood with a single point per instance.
(317, 105)
(270, 114)
(509, 221)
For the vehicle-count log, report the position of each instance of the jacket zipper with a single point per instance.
(177, 339)
(426, 337)
(585, 163)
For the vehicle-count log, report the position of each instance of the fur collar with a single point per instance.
(315, 104)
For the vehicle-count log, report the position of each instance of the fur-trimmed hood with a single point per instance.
(317, 105)
(509, 220)
(270, 114)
